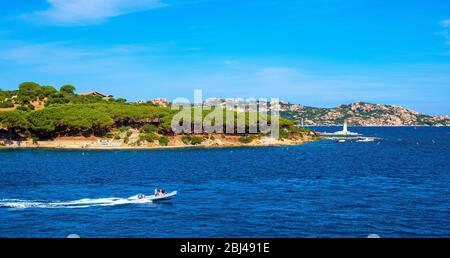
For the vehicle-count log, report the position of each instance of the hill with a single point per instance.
(42, 114)
(364, 114)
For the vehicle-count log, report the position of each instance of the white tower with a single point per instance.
(345, 127)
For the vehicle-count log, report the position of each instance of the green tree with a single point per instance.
(57, 98)
(6, 104)
(43, 122)
(192, 140)
(67, 89)
(164, 141)
(14, 121)
(186, 139)
(46, 91)
(148, 137)
(26, 107)
(7, 94)
(246, 139)
(148, 128)
(29, 91)
(120, 100)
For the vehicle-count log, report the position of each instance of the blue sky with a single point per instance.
(316, 52)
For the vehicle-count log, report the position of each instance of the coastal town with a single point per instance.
(363, 114)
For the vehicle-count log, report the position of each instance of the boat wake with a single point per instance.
(77, 204)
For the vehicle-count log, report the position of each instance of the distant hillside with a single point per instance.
(356, 114)
(364, 114)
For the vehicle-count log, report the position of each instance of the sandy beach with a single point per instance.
(95, 143)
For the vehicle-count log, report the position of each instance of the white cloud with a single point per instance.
(446, 32)
(66, 59)
(25, 53)
(107, 68)
(83, 12)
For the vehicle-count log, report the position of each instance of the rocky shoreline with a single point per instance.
(99, 144)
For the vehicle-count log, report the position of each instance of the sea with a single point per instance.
(399, 187)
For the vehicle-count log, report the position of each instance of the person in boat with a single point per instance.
(160, 192)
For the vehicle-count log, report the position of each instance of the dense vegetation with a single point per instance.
(64, 113)
(29, 93)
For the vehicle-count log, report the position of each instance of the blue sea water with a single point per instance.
(397, 188)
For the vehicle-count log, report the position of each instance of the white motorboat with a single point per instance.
(366, 140)
(162, 197)
(155, 197)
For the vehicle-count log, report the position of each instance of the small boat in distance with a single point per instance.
(366, 140)
(159, 196)
(355, 139)
(163, 197)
